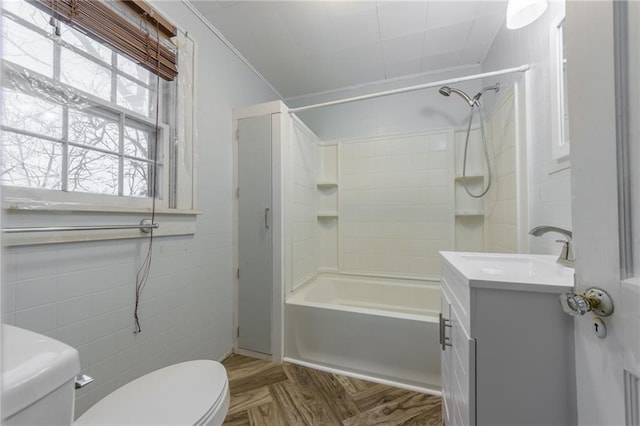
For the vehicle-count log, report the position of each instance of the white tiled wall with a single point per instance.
(83, 293)
(396, 206)
(496, 230)
(470, 221)
(303, 215)
(328, 202)
(549, 184)
(501, 200)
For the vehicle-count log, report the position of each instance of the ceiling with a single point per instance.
(311, 47)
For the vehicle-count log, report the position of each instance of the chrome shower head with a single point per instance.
(446, 91)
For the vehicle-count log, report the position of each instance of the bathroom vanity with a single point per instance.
(507, 346)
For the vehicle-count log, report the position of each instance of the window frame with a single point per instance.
(560, 145)
(126, 118)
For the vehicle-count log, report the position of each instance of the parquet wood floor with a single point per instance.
(265, 393)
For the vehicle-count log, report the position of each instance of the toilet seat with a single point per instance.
(189, 393)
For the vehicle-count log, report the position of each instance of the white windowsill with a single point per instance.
(558, 166)
(30, 213)
(43, 206)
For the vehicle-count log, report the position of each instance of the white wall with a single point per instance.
(83, 293)
(411, 112)
(549, 187)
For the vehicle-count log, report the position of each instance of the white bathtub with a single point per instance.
(377, 329)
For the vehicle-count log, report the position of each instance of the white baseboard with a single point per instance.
(252, 354)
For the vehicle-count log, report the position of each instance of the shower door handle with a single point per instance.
(266, 218)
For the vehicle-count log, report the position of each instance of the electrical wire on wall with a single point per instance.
(143, 272)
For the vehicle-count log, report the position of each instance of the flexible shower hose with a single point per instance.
(486, 153)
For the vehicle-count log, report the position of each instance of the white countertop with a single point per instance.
(522, 272)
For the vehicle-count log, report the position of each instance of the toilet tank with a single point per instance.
(38, 376)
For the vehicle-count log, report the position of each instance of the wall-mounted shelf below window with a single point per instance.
(327, 184)
(327, 214)
(469, 212)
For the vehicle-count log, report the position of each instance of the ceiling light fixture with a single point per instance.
(521, 13)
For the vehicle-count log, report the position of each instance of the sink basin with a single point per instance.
(511, 265)
(493, 270)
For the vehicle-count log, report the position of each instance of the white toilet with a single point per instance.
(38, 380)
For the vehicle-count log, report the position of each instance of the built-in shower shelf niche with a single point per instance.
(327, 214)
(465, 204)
(327, 207)
(469, 212)
(327, 197)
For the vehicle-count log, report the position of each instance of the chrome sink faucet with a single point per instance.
(566, 256)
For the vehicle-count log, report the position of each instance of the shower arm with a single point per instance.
(495, 87)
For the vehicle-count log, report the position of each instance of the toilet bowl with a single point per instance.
(38, 377)
(189, 393)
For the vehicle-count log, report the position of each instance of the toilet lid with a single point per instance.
(181, 394)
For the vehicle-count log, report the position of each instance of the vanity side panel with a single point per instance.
(445, 357)
(458, 287)
(525, 359)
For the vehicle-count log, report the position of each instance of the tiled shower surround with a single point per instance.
(304, 149)
(500, 204)
(396, 208)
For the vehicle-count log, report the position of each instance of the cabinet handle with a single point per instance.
(444, 340)
(266, 221)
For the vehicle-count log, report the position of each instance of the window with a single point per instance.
(82, 123)
(560, 110)
(101, 142)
